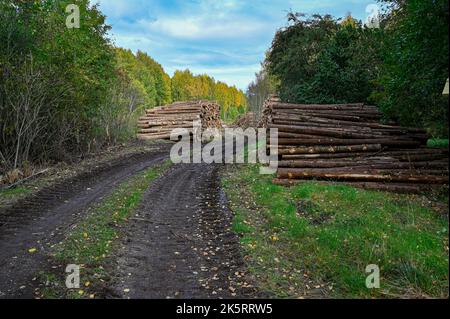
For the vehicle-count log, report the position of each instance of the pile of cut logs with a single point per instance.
(246, 120)
(159, 122)
(348, 143)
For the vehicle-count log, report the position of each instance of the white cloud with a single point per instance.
(120, 8)
(202, 28)
(223, 38)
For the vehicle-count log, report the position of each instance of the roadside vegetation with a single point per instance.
(7, 193)
(401, 67)
(438, 143)
(69, 92)
(315, 240)
(91, 242)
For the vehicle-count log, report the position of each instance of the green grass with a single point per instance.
(7, 193)
(438, 143)
(10, 195)
(93, 239)
(316, 240)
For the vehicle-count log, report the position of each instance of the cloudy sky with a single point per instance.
(226, 39)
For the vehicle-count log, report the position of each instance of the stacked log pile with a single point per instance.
(246, 120)
(159, 122)
(348, 143)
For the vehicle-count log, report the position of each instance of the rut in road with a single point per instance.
(43, 219)
(180, 243)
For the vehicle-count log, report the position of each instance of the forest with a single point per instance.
(67, 92)
(400, 66)
(96, 204)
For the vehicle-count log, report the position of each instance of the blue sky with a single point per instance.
(226, 39)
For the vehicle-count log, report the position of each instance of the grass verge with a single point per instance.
(315, 240)
(91, 242)
(11, 192)
(438, 143)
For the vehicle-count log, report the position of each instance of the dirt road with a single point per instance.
(41, 220)
(180, 244)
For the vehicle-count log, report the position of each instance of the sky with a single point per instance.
(226, 39)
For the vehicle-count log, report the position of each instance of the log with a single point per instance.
(332, 149)
(336, 115)
(14, 185)
(379, 164)
(351, 156)
(320, 174)
(349, 144)
(341, 123)
(333, 141)
(404, 188)
(339, 133)
(159, 122)
(164, 129)
(156, 136)
(349, 106)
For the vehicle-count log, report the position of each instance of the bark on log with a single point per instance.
(332, 149)
(333, 141)
(339, 133)
(318, 174)
(380, 164)
(404, 188)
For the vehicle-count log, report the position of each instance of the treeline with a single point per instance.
(157, 88)
(259, 90)
(186, 86)
(401, 66)
(55, 82)
(67, 91)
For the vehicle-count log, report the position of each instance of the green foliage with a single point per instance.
(68, 91)
(318, 60)
(156, 81)
(401, 67)
(438, 143)
(52, 79)
(259, 90)
(347, 66)
(5, 193)
(416, 65)
(317, 239)
(186, 86)
(140, 83)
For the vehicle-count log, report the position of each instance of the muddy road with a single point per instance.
(177, 244)
(180, 243)
(41, 220)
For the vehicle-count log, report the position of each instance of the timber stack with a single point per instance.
(246, 121)
(349, 143)
(159, 122)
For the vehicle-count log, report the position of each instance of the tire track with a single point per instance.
(42, 220)
(180, 243)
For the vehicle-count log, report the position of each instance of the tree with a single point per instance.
(187, 86)
(415, 64)
(292, 58)
(73, 66)
(320, 60)
(259, 90)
